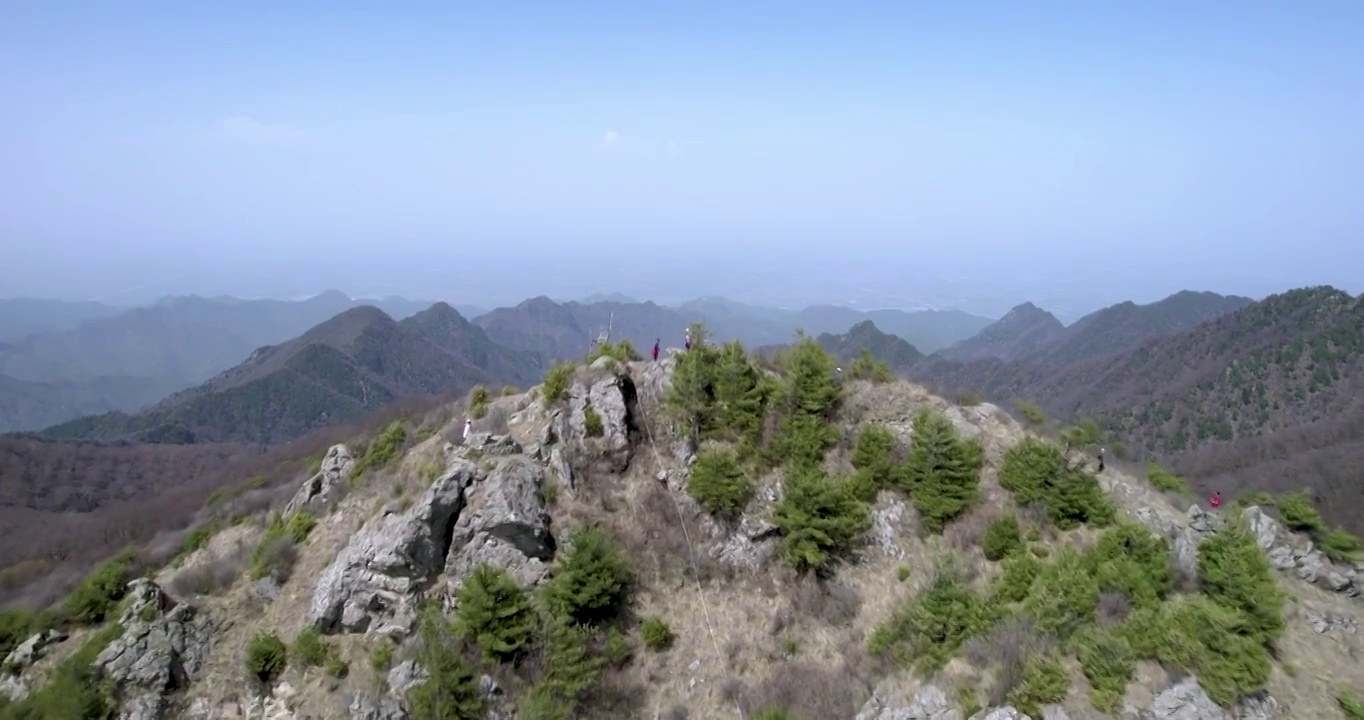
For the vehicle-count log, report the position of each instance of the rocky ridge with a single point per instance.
(385, 549)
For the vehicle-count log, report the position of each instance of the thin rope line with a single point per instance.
(691, 556)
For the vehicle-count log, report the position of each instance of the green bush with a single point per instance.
(1195, 634)
(717, 393)
(1298, 514)
(309, 648)
(100, 592)
(1164, 480)
(874, 457)
(1235, 573)
(772, 712)
(1083, 434)
(555, 387)
(478, 400)
(1030, 412)
(1044, 682)
(655, 633)
(197, 539)
(1002, 538)
(15, 627)
(383, 448)
(570, 669)
(1340, 546)
(817, 520)
(718, 483)
(1036, 472)
(74, 690)
(451, 690)
(622, 351)
(808, 396)
(591, 582)
(495, 613)
(275, 553)
(266, 656)
(943, 470)
(1064, 596)
(592, 422)
(866, 367)
(1351, 705)
(1130, 560)
(381, 655)
(1014, 583)
(1109, 663)
(928, 629)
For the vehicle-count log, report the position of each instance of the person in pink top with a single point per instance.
(1216, 500)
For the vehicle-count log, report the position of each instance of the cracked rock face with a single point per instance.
(163, 648)
(504, 523)
(490, 511)
(318, 490)
(612, 399)
(376, 576)
(1294, 553)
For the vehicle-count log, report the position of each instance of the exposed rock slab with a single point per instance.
(163, 648)
(377, 574)
(319, 490)
(504, 523)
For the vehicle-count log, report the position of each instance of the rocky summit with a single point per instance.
(707, 536)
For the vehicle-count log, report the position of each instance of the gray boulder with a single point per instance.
(318, 490)
(504, 523)
(377, 574)
(612, 399)
(163, 648)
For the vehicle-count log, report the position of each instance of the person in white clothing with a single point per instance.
(468, 427)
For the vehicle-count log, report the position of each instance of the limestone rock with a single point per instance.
(318, 490)
(405, 676)
(31, 650)
(367, 707)
(1291, 552)
(929, 703)
(377, 574)
(612, 399)
(164, 647)
(504, 523)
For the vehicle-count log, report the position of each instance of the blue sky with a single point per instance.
(430, 148)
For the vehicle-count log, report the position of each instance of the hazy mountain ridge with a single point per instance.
(336, 372)
(1259, 384)
(1030, 333)
(132, 358)
(898, 354)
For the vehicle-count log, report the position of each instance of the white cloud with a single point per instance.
(611, 140)
(246, 129)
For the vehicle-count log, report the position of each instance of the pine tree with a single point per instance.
(690, 394)
(738, 393)
(817, 519)
(451, 691)
(570, 668)
(943, 470)
(495, 613)
(592, 581)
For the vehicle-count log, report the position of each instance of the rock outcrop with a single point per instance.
(1295, 553)
(377, 575)
(319, 490)
(612, 400)
(164, 647)
(504, 523)
(487, 507)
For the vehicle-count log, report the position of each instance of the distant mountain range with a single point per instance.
(336, 372)
(1237, 394)
(1234, 392)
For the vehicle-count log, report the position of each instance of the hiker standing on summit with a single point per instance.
(688, 340)
(656, 340)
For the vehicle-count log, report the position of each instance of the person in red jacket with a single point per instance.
(655, 349)
(1216, 500)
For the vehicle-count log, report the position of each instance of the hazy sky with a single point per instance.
(972, 153)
